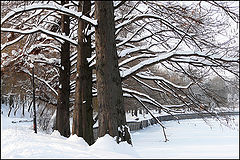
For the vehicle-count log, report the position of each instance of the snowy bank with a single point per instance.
(189, 139)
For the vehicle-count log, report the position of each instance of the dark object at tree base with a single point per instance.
(22, 121)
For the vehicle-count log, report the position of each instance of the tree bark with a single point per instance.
(83, 111)
(62, 117)
(112, 118)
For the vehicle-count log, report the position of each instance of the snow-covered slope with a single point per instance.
(19, 141)
(189, 139)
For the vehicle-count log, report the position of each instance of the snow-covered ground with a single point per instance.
(189, 139)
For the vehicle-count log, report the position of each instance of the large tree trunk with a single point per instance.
(112, 119)
(62, 118)
(83, 111)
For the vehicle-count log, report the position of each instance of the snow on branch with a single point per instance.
(53, 6)
(117, 4)
(131, 37)
(10, 60)
(147, 98)
(142, 16)
(42, 45)
(42, 80)
(135, 58)
(34, 30)
(128, 95)
(128, 51)
(147, 85)
(168, 55)
(148, 77)
(40, 58)
(73, 58)
(145, 63)
(134, 49)
(11, 42)
(215, 57)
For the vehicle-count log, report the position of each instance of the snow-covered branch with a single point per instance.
(168, 55)
(131, 37)
(135, 58)
(53, 6)
(34, 30)
(148, 77)
(11, 42)
(145, 63)
(134, 49)
(148, 99)
(147, 85)
(42, 80)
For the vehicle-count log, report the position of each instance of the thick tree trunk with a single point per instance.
(112, 119)
(62, 118)
(136, 112)
(83, 111)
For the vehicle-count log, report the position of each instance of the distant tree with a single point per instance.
(217, 85)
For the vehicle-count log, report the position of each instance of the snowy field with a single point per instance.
(189, 139)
